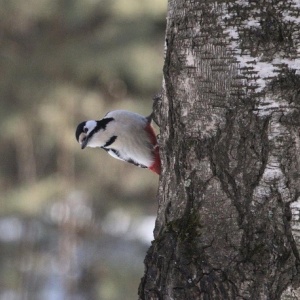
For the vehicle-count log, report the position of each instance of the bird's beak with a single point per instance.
(84, 143)
(83, 140)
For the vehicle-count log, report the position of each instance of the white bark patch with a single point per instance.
(295, 223)
(290, 16)
(268, 105)
(290, 292)
(242, 2)
(261, 72)
(273, 176)
(256, 72)
(190, 58)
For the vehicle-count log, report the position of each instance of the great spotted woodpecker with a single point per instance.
(124, 135)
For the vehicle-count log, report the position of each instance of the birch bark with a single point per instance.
(229, 118)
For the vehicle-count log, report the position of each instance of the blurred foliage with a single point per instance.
(62, 62)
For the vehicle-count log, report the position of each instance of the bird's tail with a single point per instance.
(156, 166)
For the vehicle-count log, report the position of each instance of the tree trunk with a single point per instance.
(230, 148)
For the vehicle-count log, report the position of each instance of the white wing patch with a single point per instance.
(114, 155)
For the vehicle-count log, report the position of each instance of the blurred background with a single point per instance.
(74, 224)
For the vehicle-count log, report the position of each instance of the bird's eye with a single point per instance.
(85, 130)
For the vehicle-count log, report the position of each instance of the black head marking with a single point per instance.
(101, 125)
(110, 141)
(79, 130)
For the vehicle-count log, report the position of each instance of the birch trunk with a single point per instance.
(230, 147)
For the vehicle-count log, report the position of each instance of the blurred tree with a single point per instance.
(229, 117)
(62, 62)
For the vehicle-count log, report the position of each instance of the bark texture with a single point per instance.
(230, 147)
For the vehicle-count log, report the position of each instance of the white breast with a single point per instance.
(132, 140)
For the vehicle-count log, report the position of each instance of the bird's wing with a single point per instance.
(115, 154)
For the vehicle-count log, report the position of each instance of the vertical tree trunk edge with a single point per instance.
(229, 114)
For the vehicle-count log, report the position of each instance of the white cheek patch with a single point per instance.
(90, 125)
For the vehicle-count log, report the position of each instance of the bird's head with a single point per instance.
(84, 132)
(88, 133)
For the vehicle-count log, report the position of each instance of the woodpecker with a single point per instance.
(124, 135)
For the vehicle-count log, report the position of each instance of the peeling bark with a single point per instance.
(228, 216)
